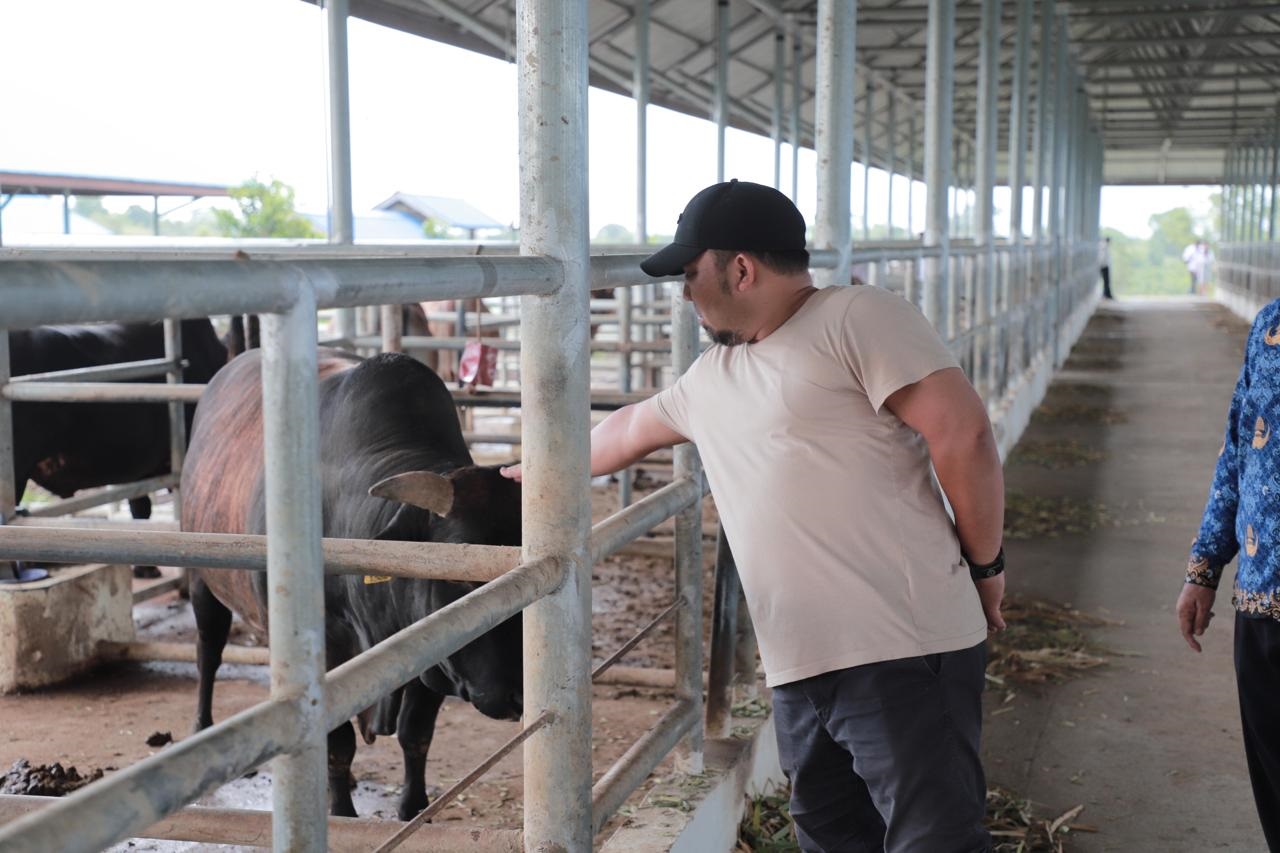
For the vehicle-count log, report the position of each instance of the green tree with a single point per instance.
(1171, 232)
(435, 229)
(614, 234)
(264, 210)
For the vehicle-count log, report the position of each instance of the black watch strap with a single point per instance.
(980, 571)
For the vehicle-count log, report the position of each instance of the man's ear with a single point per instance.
(747, 267)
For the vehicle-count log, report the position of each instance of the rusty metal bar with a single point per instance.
(461, 785)
(630, 644)
(179, 652)
(442, 560)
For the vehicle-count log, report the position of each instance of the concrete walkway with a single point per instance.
(1150, 744)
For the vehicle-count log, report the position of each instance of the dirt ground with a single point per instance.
(103, 720)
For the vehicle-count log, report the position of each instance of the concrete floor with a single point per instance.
(1149, 744)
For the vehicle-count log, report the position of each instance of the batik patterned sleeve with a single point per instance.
(1217, 544)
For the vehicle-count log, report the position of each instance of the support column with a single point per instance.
(177, 411)
(985, 181)
(295, 570)
(797, 92)
(341, 224)
(1017, 270)
(640, 90)
(551, 53)
(722, 83)
(837, 42)
(937, 157)
(892, 154)
(779, 96)
(867, 112)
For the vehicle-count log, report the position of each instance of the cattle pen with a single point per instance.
(1009, 310)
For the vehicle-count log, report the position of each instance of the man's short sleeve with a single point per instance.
(889, 344)
(671, 405)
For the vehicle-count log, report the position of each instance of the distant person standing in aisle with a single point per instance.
(1199, 259)
(1104, 265)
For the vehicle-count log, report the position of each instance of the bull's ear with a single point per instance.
(423, 489)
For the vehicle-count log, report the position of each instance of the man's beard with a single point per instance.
(724, 337)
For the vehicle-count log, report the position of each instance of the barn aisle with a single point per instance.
(1122, 451)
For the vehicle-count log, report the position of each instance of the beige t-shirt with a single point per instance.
(846, 552)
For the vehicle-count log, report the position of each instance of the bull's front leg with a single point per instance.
(342, 751)
(414, 727)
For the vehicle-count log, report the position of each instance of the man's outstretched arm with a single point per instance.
(622, 439)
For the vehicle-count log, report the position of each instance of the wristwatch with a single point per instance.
(980, 571)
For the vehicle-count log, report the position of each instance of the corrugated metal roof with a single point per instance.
(451, 211)
(1172, 83)
(45, 183)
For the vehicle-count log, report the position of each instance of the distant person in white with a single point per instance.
(1199, 259)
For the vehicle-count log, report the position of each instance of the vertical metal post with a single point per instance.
(295, 569)
(892, 154)
(1056, 181)
(640, 89)
(8, 488)
(779, 96)
(688, 545)
(867, 111)
(177, 411)
(1018, 121)
(911, 174)
(797, 91)
(392, 326)
(341, 220)
(1041, 141)
(66, 211)
(624, 377)
(155, 215)
(833, 120)
(985, 181)
(722, 83)
(723, 635)
(937, 156)
(551, 49)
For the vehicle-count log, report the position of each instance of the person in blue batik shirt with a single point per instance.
(1242, 518)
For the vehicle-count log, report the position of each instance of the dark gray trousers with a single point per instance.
(884, 756)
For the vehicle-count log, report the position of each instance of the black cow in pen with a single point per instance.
(65, 447)
(394, 466)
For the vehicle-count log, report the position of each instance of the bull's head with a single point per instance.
(479, 506)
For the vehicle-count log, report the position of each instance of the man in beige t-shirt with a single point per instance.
(821, 417)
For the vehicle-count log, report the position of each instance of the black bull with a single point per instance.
(387, 426)
(65, 447)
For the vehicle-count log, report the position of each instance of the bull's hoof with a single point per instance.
(146, 572)
(411, 806)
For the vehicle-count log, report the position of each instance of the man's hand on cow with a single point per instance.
(512, 472)
(1195, 609)
(991, 594)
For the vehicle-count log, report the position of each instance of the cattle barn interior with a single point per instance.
(1053, 100)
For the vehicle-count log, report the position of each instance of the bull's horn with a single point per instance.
(423, 489)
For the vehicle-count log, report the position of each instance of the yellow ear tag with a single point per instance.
(368, 579)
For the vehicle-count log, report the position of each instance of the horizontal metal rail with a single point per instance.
(629, 771)
(127, 802)
(99, 497)
(104, 372)
(100, 392)
(417, 342)
(178, 652)
(157, 588)
(81, 287)
(600, 401)
(617, 530)
(96, 523)
(425, 560)
(355, 685)
(252, 828)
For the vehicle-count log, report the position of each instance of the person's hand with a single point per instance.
(512, 472)
(991, 594)
(1195, 609)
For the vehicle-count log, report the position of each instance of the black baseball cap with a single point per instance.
(735, 215)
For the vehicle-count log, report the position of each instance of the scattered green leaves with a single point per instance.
(1055, 454)
(1035, 516)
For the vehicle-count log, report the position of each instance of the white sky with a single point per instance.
(218, 92)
